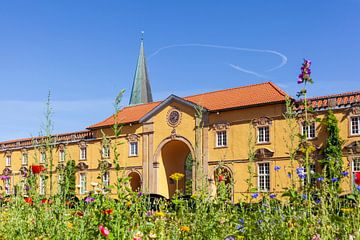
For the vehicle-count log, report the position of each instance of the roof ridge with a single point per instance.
(227, 89)
(335, 95)
(277, 88)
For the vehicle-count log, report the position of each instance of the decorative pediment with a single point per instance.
(82, 166)
(353, 148)
(133, 137)
(61, 147)
(60, 167)
(354, 110)
(262, 153)
(82, 144)
(24, 151)
(104, 165)
(221, 126)
(261, 121)
(8, 153)
(7, 171)
(310, 116)
(24, 170)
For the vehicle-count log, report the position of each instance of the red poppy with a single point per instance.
(357, 178)
(104, 231)
(28, 200)
(221, 178)
(43, 201)
(36, 169)
(107, 211)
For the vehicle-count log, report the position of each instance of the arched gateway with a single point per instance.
(173, 155)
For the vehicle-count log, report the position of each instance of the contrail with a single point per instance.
(282, 56)
(247, 71)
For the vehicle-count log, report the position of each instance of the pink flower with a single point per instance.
(104, 231)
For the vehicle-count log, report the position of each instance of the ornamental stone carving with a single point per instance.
(104, 165)
(261, 121)
(221, 126)
(133, 137)
(262, 153)
(82, 166)
(353, 148)
(82, 144)
(7, 171)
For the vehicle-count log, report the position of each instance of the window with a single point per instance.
(221, 139)
(7, 182)
(60, 183)
(42, 185)
(309, 130)
(355, 169)
(133, 151)
(312, 177)
(82, 183)
(8, 161)
(83, 153)
(106, 179)
(42, 157)
(264, 177)
(24, 159)
(263, 134)
(61, 156)
(354, 125)
(105, 152)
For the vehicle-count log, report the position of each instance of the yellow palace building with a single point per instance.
(198, 136)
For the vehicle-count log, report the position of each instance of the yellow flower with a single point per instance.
(128, 204)
(185, 229)
(176, 176)
(69, 225)
(159, 214)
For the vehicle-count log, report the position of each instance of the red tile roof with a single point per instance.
(238, 97)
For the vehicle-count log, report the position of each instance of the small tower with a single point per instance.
(141, 90)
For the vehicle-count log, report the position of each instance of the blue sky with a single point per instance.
(85, 52)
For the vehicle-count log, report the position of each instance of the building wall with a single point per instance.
(155, 134)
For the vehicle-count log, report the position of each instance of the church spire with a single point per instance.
(141, 90)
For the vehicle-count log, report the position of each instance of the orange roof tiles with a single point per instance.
(213, 101)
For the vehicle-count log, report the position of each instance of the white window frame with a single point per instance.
(221, 138)
(262, 131)
(133, 149)
(8, 160)
(310, 129)
(42, 157)
(355, 167)
(105, 151)
(62, 156)
(264, 177)
(83, 153)
(7, 183)
(312, 172)
(106, 179)
(42, 186)
(82, 183)
(352, 133)
(24, 158)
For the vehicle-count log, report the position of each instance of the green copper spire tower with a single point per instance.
(141, 90)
